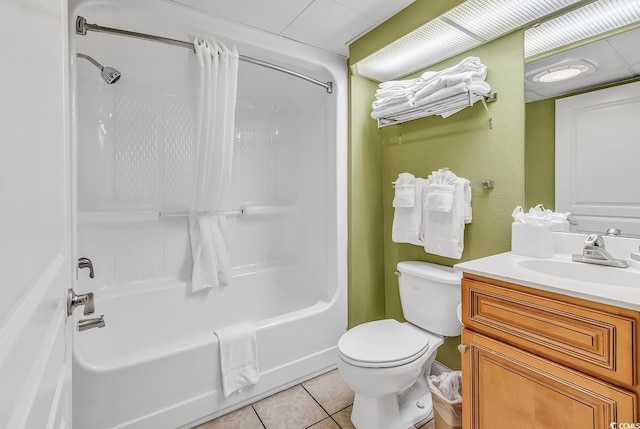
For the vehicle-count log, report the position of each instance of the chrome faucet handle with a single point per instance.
(616, 232)
(74, 300)
(594, 240)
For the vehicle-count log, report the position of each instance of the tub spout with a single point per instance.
(96, 322)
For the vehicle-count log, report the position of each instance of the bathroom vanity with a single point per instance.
(547, 343)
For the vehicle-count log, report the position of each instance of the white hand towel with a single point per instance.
(407, 221)
(405, 188)
(439, 197)
(238, 357)
(443, 232)
(468, 213)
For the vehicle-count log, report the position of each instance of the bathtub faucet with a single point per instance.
(74, 300)
(96, 322)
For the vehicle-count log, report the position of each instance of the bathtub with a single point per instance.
(155, 363)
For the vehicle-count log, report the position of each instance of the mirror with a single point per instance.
(606, 61)
(612, 59)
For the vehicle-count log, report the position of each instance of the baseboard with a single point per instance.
(437, 368)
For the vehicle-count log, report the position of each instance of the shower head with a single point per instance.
(109, 74)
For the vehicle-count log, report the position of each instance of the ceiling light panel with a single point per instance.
(490, 19)
(588, 21)
(433, 42)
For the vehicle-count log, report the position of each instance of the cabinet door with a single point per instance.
(504, 387)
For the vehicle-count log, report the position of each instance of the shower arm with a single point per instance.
(82, 26)
(91, 60)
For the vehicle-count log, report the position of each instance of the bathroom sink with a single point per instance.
(626, 277)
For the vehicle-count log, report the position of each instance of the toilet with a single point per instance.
(386, 362)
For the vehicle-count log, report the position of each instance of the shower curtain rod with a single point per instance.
(82, 26)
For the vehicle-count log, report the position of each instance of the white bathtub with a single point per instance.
(155, 363)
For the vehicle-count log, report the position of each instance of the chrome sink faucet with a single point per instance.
(594, 253)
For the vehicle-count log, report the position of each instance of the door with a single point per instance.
(597, 159)
(504, 387)
(35, 215)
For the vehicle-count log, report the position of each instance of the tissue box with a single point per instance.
(535, 240)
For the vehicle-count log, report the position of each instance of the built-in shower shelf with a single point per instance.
(448, 104)
(116, 216)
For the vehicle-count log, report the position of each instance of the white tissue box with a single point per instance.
(534, 240)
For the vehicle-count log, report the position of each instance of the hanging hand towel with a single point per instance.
(468, 213)
(405, 187)
(238, 357)
(407, 220)
(439, 197)
(443, 232)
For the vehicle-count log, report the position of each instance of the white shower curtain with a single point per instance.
(213, 78)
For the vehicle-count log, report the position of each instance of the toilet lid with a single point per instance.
(383, 343)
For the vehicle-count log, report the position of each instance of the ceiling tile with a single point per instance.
(328, 25)
(272, 15)
(379, 10)
(626, 45)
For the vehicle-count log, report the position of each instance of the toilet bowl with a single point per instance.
(386, 362)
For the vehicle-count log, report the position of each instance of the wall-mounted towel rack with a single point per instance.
(448, 104)
(484, 184)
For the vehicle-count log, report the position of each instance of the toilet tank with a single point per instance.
(430, 294)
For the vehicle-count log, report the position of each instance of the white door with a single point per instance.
(35, 215)
(597, 154)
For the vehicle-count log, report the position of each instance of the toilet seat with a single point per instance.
(382, 344)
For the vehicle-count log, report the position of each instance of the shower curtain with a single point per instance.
(214, 73)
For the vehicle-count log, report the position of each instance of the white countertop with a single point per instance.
(607, 285)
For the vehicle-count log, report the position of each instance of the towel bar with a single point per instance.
(485, 184)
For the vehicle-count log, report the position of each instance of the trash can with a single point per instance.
(446, 393)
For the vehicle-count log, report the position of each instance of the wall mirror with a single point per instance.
(597, 139)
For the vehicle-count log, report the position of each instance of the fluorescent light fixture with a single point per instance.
(588, 21)
(462, 28)
(556, 74)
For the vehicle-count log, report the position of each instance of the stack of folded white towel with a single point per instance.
(398, 95)
(432, 212)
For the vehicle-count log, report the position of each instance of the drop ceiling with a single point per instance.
(610, 60)
(327, 24)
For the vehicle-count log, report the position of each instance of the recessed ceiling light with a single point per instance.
(464, 27)
(556, 74)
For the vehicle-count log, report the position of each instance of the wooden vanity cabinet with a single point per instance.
(536, 360)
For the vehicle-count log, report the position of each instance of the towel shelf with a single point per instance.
(453, 103)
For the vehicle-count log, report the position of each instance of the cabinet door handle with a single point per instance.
(462, 348)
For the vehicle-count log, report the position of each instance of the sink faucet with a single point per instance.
(595, 253)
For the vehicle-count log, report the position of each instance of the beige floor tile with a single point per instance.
(245, 418)
(344, 418)
(330, 391)
(327, 423)
(293, 408)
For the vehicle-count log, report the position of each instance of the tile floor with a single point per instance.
(323, 402)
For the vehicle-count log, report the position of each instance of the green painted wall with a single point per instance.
(540, 153)
(366, 247)
(463, 142)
